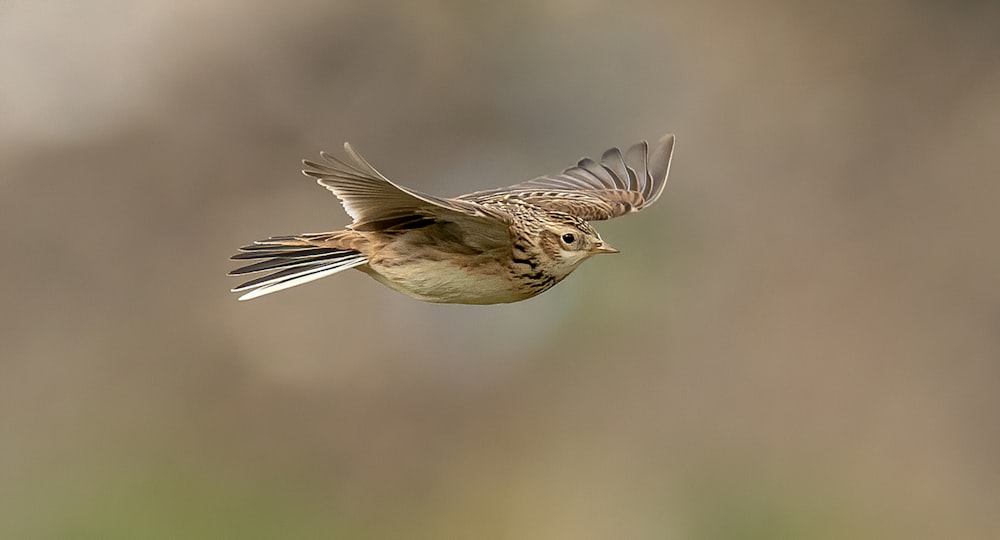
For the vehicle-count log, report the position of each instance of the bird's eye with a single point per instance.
(568, 238)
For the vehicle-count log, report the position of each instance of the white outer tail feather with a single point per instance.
(305, 276)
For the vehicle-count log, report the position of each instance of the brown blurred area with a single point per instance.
(800, 340)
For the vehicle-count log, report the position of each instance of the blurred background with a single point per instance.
(800, 340)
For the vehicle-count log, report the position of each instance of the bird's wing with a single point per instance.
(616, 186)
(377, 204)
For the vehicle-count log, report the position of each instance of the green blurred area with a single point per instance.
(800, 340)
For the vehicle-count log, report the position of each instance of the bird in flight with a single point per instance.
(488, 247)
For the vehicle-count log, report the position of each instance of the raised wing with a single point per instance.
(377, 204)
(616, 186)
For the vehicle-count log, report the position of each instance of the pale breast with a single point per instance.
(459, 280)
(450, 264)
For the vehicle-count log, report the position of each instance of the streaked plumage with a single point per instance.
(488, 247)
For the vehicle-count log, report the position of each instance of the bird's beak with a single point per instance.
(604, 248)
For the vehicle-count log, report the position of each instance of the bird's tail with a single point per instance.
(293, 260)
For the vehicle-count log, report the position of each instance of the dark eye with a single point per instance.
(568, 238)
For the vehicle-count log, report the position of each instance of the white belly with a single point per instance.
(481, 282)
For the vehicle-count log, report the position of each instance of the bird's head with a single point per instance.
(569, 241)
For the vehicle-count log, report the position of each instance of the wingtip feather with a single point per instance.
(659, 163)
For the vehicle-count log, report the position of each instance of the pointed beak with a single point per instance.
(604, 248)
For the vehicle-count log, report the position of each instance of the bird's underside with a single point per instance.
(487, 247)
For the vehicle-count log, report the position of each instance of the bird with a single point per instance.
(487, 247)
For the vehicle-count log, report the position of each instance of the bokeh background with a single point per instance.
(800, 340)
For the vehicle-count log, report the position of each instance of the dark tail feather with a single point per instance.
(291, 261)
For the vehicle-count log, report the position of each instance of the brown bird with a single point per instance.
(487, 247)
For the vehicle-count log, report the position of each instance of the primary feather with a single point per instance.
(597, 191)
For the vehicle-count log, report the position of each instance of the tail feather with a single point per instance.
(275, 277)
(268, 252)
(280, 262)
(291, 261)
